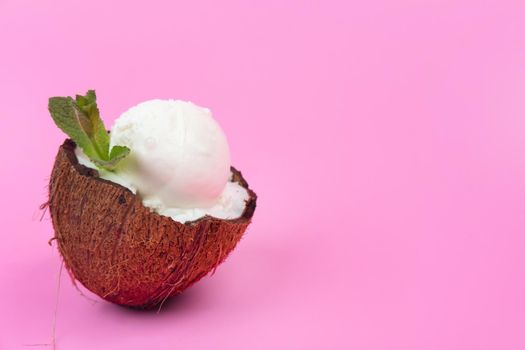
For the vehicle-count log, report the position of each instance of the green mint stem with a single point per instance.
(80, 119)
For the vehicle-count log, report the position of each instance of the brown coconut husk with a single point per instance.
(122, 251)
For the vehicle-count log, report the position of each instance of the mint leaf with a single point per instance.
(73, 122)
(88, 105)
(80, 119)
(117, 154)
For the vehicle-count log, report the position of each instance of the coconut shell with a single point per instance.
(122, 251)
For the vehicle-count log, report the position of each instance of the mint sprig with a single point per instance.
(80, 119)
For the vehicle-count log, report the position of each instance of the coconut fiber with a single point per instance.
(124, 252)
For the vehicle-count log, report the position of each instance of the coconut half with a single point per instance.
(121, 250)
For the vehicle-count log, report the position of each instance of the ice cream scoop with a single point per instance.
(179, 154)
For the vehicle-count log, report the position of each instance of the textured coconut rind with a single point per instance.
(123, 252)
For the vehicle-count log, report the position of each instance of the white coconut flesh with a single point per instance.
(179, 162)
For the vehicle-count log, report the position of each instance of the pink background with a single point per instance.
(385, 139)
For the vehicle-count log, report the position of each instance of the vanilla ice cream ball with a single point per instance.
(179, 154)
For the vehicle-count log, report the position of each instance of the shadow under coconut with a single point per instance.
(188, 301)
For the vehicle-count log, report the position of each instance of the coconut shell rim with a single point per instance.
(69, 150)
